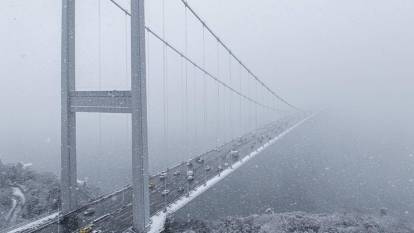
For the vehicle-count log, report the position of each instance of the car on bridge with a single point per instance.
(234, 154)
(190, 175)
(87, 229)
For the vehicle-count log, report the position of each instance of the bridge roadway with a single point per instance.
(113, 212)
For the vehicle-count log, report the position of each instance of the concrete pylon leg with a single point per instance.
(68, 118)
(140, 202)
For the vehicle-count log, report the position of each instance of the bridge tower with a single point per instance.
(132, 102)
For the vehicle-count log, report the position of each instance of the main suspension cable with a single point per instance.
(205, 71)
(235, 57)
(198, 66)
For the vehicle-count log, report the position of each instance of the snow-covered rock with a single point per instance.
(26, 194)
(296, 222)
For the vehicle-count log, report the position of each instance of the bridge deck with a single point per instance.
(113, 212)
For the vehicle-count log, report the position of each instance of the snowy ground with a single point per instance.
(295, 222)
(18, 200)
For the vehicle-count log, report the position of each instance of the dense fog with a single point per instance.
(332, 163)
(351, 62)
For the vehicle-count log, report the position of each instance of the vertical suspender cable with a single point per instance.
(264, 110)
(247, 108)
(274, 115)
(204, 85)
(99, 45)
(165, 93)
(127, 76)
(165, 98)
(259, 97)
(240, 103)
(265, 116)
(243, 105)
(99, 74)
(195, 146)
(186, 79)
(252, 106)
(183, 100)
(164, 82)
(218, 133)
(186, 92)
(255, 107)
(230, 103)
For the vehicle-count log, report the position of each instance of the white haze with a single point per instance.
(352, 57)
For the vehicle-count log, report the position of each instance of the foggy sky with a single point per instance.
(353, 54)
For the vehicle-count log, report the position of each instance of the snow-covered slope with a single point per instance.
(26, 194)
(297, 222)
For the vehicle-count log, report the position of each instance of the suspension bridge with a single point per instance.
(252, 115)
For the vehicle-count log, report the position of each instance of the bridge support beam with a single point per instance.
(140, 202)
(68, 120)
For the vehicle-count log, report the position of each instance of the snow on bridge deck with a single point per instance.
(158, 220)
(169, 191)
